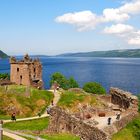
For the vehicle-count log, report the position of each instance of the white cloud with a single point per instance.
(134, 41)
(86, 20)
(83, 20)
(131, 8)
(119, 29)
(114, 15)
(129, 33)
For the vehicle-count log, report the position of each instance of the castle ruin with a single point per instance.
(96, 127)
(26, 72)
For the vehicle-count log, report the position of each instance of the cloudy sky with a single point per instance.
(57, 26)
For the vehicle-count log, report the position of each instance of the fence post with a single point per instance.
(1, 130)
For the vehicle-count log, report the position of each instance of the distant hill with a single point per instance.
(113, 53)
(3, 55)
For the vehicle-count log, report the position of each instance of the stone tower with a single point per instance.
(26, 72)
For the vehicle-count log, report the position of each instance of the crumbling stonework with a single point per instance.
(95, 127)
(124, 99)
(26, 72)
(61, 121)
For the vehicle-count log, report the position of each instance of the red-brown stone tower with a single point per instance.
(26, 72)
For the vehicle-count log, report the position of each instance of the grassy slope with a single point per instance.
(17, 96)
(71, 100)
(3, 55)
(130, 132)
(111, 53)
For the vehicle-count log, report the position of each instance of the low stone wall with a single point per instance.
(124, 99)
(5, 82)
(118, 125)
(64, 122)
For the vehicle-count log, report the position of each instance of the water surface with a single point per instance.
(117, 72)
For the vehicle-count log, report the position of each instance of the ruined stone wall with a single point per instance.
(64, 122)
(124, 99)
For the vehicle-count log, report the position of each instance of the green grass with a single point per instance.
(130, 132)
(32, 125)
(38, 125)
(61, 137)
(7, 138)
(26, 106)
(69, 98)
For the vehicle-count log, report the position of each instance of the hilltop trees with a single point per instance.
(90, 87)
(93, 87)
(63, 81)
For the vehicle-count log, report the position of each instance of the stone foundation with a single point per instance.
(64, 122)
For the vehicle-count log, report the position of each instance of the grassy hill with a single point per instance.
(130, 132)
(3, 55)
(25, 102)
(112, 53)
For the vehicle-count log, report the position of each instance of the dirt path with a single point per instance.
(103, 121)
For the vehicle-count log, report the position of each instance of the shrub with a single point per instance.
(93, 87)
(63, 81)
(4, 76)
(72, 83)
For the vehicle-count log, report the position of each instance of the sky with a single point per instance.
(50, 27)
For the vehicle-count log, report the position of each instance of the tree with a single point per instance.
(72, 83)
(60, 79)
(63, 81)
(95, 88)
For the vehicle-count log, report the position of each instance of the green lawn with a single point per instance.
(7, 138)
(130, 132)
(38, 125)
(69, 98)
(61, 137)
(32, 125)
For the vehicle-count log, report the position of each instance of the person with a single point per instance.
(109, 120)
(118, 116)
(39, 114)
(13, 117)
(52, 102)
(48, 110)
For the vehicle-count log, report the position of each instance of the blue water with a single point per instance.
(117, 72)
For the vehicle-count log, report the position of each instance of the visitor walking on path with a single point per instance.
(109, 121)
(118, 116)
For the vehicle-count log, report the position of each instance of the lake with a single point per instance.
(117, 72)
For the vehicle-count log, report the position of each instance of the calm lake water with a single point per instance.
(117, 72)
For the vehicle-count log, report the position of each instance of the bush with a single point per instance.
(4, 76)
(63, 81)
(93, 87)
(72, 83)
